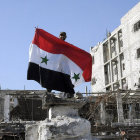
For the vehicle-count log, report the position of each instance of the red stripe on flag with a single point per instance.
(52, 44)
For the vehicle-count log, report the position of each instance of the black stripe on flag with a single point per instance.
(50, 79)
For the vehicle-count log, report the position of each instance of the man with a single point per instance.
(63, 36)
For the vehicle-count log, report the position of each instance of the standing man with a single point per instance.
(63, 36)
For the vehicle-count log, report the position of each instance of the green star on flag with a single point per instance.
(44, 60)
(76, 76)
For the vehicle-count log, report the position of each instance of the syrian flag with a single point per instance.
(56, 64)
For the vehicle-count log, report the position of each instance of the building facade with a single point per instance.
(116, 60)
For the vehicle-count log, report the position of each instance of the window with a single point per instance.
(124, 84)
(139, 83)
(121, 43)
(108, 88)
(120, 33)
(122, 56)
(113, 46)
(123, 66)
(138, 53)
(116, 71)
(113, 39)
(113, 49)
(137, 26)
(105, 52)
(116, 86)
(114, 62)
(139, 80)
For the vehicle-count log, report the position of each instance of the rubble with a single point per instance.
(110, 113)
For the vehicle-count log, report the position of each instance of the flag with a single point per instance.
(56, 64)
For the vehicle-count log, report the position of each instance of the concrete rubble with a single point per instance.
(63, 122)
(105, 114)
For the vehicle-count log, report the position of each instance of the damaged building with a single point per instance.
(17, 109)
(116, 60)
(114, 112)
(116, 67)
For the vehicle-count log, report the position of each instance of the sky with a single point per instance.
(84, 21)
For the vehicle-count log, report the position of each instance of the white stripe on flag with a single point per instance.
(56, 62)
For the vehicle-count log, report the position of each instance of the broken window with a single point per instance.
(124, 84)
(139, 83)
(113, 46)
(138, 53)
(113, 49)
(116, 71)
(107, 72)
(105, 52)
(120, 40)
(123, 66)
(116, 86)
(114, 61)
(137, 26)
(122, 56)
(108, 88)
(120, 43)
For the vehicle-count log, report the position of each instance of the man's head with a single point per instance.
(62, 35)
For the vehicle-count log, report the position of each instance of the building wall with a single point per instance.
(117, 59)
(1, 108)
(132, 43)
(6, 105)
(97, 68)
